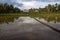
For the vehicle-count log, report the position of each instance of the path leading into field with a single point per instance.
(26, 28)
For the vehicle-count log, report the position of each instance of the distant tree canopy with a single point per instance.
(9, 8)
(48, 9)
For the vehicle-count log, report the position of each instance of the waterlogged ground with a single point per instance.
(54, 22)
(26, 28)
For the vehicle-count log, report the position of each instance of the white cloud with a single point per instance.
(32, 3)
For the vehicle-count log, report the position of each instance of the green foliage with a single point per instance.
(48, 9)
(9, 8)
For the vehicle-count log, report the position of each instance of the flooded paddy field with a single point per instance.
(27, 28)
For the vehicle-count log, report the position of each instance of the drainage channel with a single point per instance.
(48, 25)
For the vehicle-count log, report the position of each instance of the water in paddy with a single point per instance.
(27, 27)
(53, 21)
(12, 24)
(9, 21)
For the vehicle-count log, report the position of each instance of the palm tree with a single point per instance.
(49, 7)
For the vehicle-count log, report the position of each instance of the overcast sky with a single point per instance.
(27, 4)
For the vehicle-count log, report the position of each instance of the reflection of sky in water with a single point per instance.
(26, 20)
(52, 23)
(20, 21)
(29, 28)
(19, 25)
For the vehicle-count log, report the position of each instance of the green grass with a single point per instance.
(16, 14)
(32, 14)
(45, 15)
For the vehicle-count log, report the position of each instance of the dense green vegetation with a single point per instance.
(9, 8)
(48, 9)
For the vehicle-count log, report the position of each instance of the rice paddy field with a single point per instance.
(48, 17)
(25, 27)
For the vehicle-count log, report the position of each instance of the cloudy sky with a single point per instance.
(27, 4)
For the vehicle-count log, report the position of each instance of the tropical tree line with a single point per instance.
(9, 8)
(49, 9)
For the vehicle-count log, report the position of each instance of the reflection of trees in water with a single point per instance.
(49, 19)
(7, 19)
